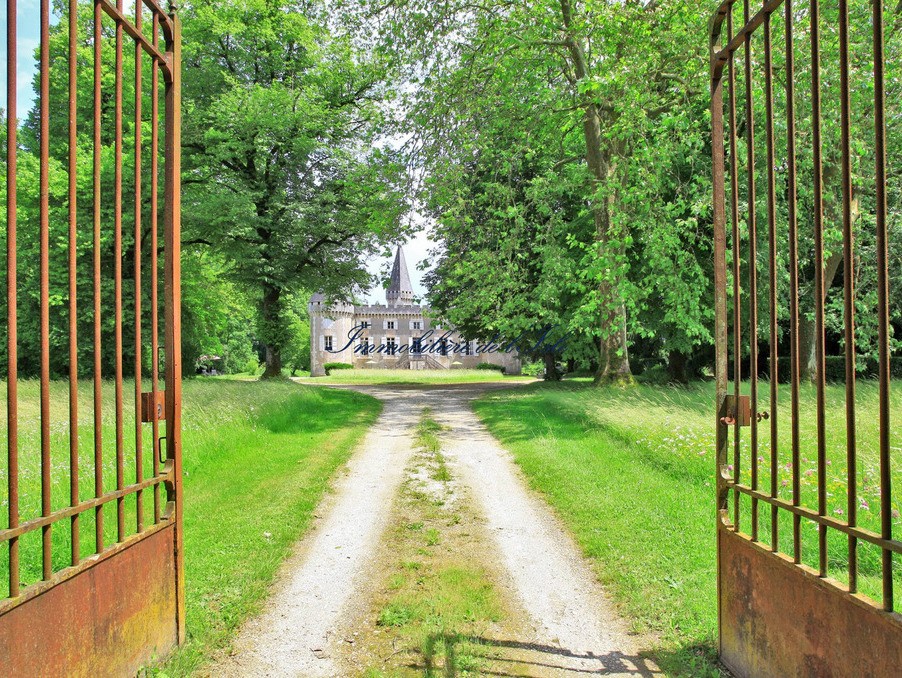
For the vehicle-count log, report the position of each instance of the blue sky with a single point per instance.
(28, 27)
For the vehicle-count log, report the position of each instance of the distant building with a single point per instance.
(397, 335)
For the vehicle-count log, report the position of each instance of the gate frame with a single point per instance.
(777, 616)
(91, 618)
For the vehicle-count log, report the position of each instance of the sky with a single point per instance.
(416, 251)
(28, 28)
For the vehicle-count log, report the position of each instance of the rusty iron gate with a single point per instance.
(88, 596)
(805, 563)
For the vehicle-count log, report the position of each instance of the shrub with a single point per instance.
(490, 366)
(328, 367)
(252, 366)
(533, 369)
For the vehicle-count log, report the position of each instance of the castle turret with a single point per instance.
(400, 291)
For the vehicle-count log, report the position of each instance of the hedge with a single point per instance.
(328, 367)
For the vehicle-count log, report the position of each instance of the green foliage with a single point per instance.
(536, 369)
(490, 366)
(538, 226)
(282, 174)
(329, 367)
(216, 318)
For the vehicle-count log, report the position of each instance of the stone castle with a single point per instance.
(397, 335)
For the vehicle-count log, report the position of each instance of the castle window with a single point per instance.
(365, 346)
(416, 345)
(327, 342)
(390, 325)
(465, 347)
(365, 324)
(390, 346)
(417, 325)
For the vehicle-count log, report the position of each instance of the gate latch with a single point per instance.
(738, 411)
(153, 409)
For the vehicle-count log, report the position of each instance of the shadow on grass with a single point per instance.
(525, 656)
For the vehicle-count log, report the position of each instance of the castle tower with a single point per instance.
(400, 291)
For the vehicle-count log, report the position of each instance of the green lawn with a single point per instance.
(414, 377)
(631, 472)
(257, 459)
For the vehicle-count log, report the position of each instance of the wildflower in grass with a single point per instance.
(896, 514)
(863, 504)
(809, 472)
(838, 511)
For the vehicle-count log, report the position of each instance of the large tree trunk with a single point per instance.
(271, 315)
(808, 328)
(614, 365)
(676, 367)
(551, 373)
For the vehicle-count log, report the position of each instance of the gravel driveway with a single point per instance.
(573, 629)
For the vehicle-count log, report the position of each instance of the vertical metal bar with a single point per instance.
(117, 276)
(737, 285)
(73, 264)
(819, 281)
(848, 289)
(792, 206)
(886, 521)
(753, 268)
(46, 544)
(154, 264)
(12, 364)
(721, 321)
(772, 252)
(173, 302)
(98, 356)
(139, 461)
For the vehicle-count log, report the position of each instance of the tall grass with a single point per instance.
(257, 458)
(632, 473)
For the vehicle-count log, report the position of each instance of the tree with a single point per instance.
(282, 175)
(589, 82)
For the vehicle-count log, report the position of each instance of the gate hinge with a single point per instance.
(153, 410)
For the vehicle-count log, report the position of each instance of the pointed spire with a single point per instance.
(400, 291)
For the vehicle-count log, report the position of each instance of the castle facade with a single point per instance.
(397, 335)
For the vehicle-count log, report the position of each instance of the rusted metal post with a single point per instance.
(12, 365)
(97, 253)
(720, 282)
(139, 431)
(792, 208)
(46, 537)
(173, 303)
(74, 531)
(819, 286)
(154, 263)
(886, 520)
